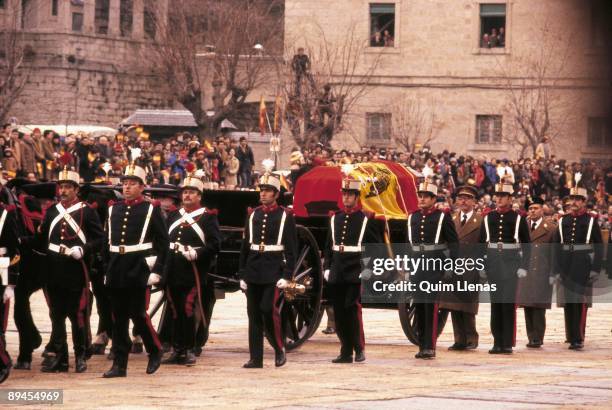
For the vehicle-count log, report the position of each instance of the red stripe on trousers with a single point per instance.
(360, 320)
(583, 317)
(514, 326)
(83, 302)
(277, 320)
(7, 307)
(148, 320)
(434, 331)
(4, 357)
(190, 302)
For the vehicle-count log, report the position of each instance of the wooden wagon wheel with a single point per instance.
(302, 315)
(408, 321)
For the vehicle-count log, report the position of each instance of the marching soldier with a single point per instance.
(464, 305)
(535, 291)
(577, 262)
(195, 240)
(267, 261)
(9, 271)
(71, 232)
(136, 232)
(349, 228)
(506, 235)
(431, 233)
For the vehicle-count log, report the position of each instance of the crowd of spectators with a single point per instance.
(229, 163)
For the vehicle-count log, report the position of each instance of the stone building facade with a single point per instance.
(435, 55)
(88, 63)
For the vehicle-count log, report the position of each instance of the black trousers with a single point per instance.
(131, 303)
(535, 323)
(264, 315)
(71, 304)
(575, 321)
(346, 302)
(103, 305)
(166, 324)
(29, 336)
(426, 315)
(503, 324)
(5, 358)
(184, 302)
(464, 327)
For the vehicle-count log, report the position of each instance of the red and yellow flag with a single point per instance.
(278, 114)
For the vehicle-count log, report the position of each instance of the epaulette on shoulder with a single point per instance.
(332, 213)
(250, 210)
(156, 203)
(113, 202)
(213, 211)
(93, 205)
(593, 214)
(9, 208)
(486, 212)
(172, 208)
(447, 211)
(288, 210)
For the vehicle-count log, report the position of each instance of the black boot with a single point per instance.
(253, 364)
(189, 359)
(360, 356)
(154, 362)
(119, 369)
(23, 365)
(4, 374)
(176, 357)
(343, 359)
(80, 364)
(280, 358)
(57, 364)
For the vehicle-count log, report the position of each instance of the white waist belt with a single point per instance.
(346, 248)
(3, 251)
(505, 246)
(583, 247)
(428, 248)
(121, 249)
(61, 249)
(176, 246)
(267, 248)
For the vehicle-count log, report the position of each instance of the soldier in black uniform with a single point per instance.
(577, 263)
(349, 228)
(195, 240)
(506, 235)
(70, 233)
(136, 231)
(267, 261)
(9, 272)
(432, 235)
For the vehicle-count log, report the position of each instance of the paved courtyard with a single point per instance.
(552, 377)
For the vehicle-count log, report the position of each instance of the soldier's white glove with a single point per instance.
(593, 275)
(9, 293)
(365, 274)
(521, 273)
(76, 252)
(553, 279)
(243, 285)
(326, 275)
(190, 254)
(154, 279)
(282, 283)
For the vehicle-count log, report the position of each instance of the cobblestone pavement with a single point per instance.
(551, 377)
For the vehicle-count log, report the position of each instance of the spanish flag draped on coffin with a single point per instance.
(388, 190)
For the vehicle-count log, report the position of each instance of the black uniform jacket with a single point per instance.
(127, 220)
(178, 270)
(268, 267)
(345, 266)
(82, 223)
(9, 240)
